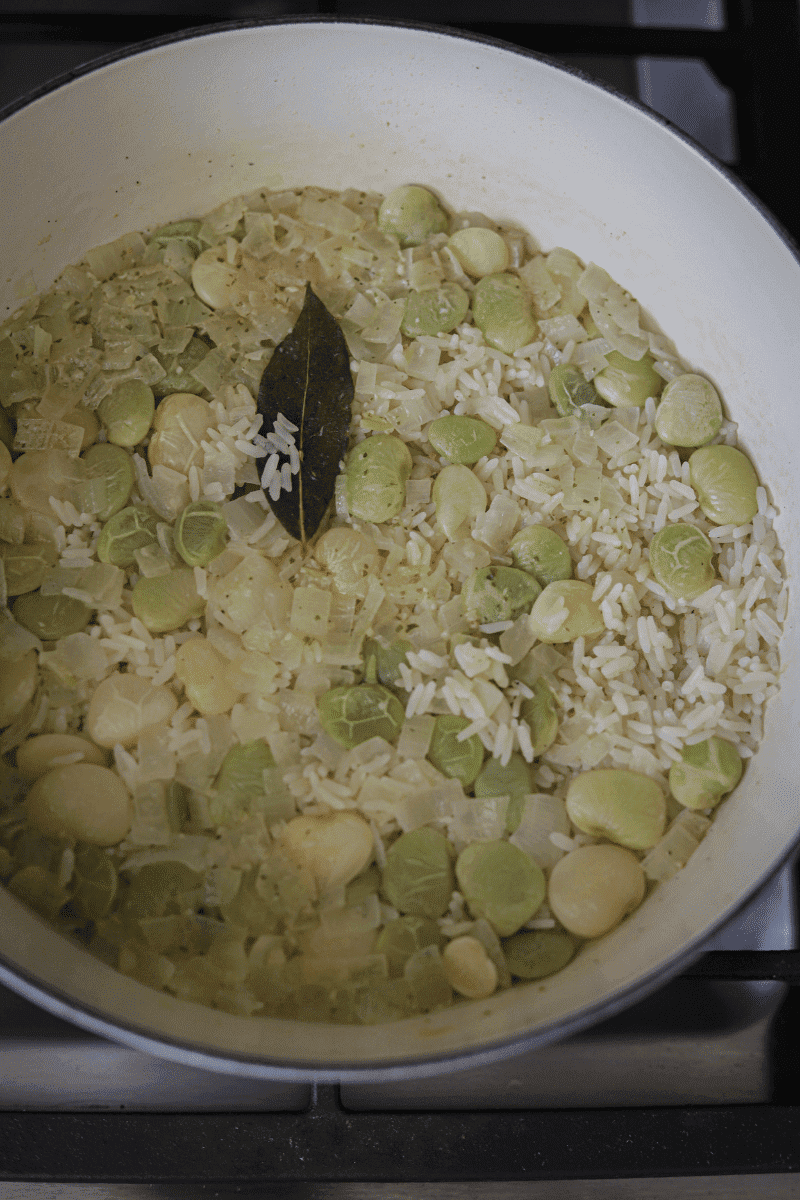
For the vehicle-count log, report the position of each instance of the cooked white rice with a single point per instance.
(663, 675)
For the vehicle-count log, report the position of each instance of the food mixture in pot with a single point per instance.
(386, 609)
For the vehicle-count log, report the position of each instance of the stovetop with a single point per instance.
(693, 1092)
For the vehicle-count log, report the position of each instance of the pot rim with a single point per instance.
(61, 1005)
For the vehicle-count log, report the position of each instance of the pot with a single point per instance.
(178, 126)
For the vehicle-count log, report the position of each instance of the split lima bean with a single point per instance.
(334, 848)
(707, 771)
(497, 594)
(457, 759)
(375, 478)
(124, 706)
(626, 383)
(418, 874)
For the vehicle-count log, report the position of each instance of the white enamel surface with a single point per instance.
(177, 129)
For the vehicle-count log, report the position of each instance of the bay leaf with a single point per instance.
(308, 380)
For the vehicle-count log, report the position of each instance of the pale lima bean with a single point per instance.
(565, 611)
(468, 968)
(459, 497)
(214, 278)
(334, 847)
(180, 423)
(17, 684)
(82, 802)
(592, 888)
(46, 751)
(204, 674)
(480, 251)
(624, 806)
(123, 706)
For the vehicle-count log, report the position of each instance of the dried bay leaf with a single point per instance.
(308, 380)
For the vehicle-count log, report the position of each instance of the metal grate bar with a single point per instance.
(327, 1142)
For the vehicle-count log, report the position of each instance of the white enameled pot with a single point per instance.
(182, 125)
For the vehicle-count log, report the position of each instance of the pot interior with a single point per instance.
(175, 130)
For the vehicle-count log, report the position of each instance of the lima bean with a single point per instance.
(570, 390)
(18, 678)
(565, 611)
(165, 602)
(402, 937)
(626, 382)
(109, 480)
(689, 412)
(124, 533)
(434, 310)
(334, 847)
(707, 771)
(500, 883)
(45, 751)
(497, 594)
(81, 802)
(352, 715)
(26, 565)
(200, 532)
(462, 439)
(501, 309)
(626, 807)
(456, 759)
(418, 874)
(204, 673)
(51, 617)
(542, 553)
(536, 953)
(680, 558)
(127, 413)
(459, 496)
(376, 472)
(480, 251)
(412, 214)
(726, 484)
(592, 888)
(468, 968)
(123, 706)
